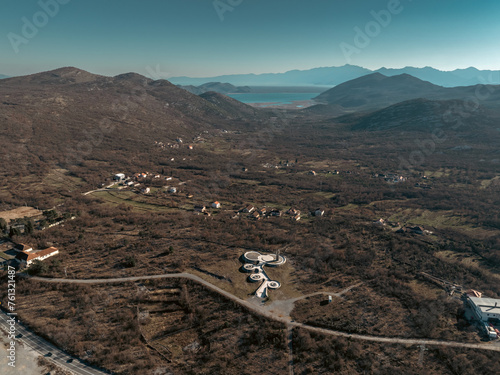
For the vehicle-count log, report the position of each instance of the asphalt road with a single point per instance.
(43, 347)
(285, 320)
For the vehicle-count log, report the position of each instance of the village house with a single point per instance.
(200, 208)
(275, 212)
(172, 190)
(292, 211)
(215, 204)
(319, 212)
(380, 222)
(312, 173)
(145, 190)
(140, 175)
(23, 247)
(26, 258)
(255, 215)
(263, 211)
(415, 230)
(248, 209)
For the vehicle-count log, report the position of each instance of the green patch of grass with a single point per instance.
(127, 197)
(350, 206)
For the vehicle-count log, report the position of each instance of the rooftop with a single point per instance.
(487, 305)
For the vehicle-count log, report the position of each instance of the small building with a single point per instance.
(312, 173)
(145, 190)
(216, 204)
(23, 247)
(255, 215)
(318, 212)
(275, 212)
(248, 209)
(190, 147)
(25, 258)
(485, 308)
(119, 177)
(380, 222)
(200, 208)
(473, 293)
(262, 211)
(172, 190)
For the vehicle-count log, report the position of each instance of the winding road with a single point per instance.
(268, 314)
(43, 347)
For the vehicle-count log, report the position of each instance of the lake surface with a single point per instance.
(275, 98)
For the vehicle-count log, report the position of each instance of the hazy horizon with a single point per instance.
(222, 37)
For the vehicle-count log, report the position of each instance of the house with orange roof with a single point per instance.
(25, 258)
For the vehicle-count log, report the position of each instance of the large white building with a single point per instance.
(486, 308)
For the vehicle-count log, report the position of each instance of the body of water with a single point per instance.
(279, 98)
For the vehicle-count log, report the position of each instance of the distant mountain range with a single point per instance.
(375, 91)
(332, 76)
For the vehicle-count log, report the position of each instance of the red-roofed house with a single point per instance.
(27, 258)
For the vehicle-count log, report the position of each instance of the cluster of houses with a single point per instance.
(292, 213)
(24, 255)
(414, 229)
(390, 177)
(138, 179)
(382, 222)
(417, 229)
(201, 209)
(178, 144)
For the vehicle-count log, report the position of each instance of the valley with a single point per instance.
(360, 198)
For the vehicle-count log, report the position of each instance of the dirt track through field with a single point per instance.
(18, 213)
(285, 320)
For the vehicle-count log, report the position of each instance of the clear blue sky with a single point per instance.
(187, 37)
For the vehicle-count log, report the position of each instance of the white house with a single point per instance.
(119, 177)
(172, 190)
(216, 204)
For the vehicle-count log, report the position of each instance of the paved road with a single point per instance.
(286, 320)
(43, 347)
